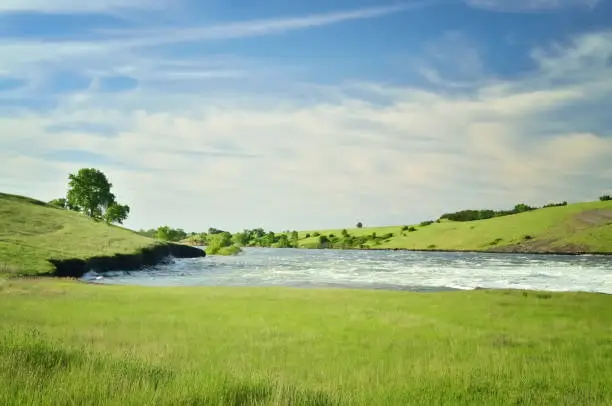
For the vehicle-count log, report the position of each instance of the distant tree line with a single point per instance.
(224, 242)
(473, 215)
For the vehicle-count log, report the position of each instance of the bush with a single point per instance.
(426, 223)
(359, 225)
(405, 228)
(231, 250)
(411, 229)
(555, 204)
(605, 198)
(307, 235)
(316, 234)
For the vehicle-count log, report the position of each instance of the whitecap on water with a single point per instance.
(380, 269)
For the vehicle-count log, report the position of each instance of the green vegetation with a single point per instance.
(89, 192)
(229, 346)
(32, 232)
(221, 244)
(560, 227)
(555, 227)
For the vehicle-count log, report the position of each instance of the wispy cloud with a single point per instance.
(253, 28)
(530, 5)
(77, 6)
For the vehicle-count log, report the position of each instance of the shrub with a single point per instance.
(316, 234)
(496, 241)
(359, 225)
(231, 250)
(411, 229)
(527, 237)
(405, 228)
(307, 235)
(555, 204)
(426, 223)
(605, 198)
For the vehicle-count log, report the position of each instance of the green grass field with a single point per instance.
(64, 342)
(577, 227)
(32, 232)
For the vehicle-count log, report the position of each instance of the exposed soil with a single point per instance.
(75, 268)
(595, 217)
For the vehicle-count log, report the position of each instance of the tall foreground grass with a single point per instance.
(71, 343)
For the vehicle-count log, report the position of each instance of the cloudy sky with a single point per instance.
(307, 114)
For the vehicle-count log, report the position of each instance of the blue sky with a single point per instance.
(303, 115)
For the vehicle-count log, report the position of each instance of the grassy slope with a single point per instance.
(32, 232)
(134, 345)
(552, 229)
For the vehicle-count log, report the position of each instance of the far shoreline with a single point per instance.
(441, 250)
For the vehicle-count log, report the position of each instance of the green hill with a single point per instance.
(32, 233)
(580, 227)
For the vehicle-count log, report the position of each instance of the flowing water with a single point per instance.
(417, 271)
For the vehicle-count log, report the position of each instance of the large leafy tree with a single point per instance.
(89, 191)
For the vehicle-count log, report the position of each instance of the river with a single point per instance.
(398, 270)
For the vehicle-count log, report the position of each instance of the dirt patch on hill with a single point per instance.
(542, 247)
(596, 217)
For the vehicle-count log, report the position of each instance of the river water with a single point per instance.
(403, 270)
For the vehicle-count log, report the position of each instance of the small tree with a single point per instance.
(605, 198)
(116, 213)
(359, 225)
(295, 238)
(61, 202)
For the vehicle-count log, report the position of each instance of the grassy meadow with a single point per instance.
(575, 227)
(32, 232)
(65, 342)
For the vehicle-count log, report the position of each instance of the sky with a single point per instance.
(307, 114)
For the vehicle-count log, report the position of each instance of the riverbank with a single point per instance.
(581, 228)
(40, 239)
(67, 341)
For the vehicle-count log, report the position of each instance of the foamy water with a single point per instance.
(419, 271)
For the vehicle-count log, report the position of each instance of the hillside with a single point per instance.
(580, 227)
(32, 233)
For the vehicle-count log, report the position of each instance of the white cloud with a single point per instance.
(245, 154)
(530, 5)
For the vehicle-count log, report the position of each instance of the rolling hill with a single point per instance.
(37, 238)
(575, 228)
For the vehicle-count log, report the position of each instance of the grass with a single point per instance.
(121, 345)
(32, 232)
(549, 229)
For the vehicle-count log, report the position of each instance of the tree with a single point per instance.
(295, 238)
(90, 192)
(116, 213)
(359, 225)
(61, 202)
(163, 233)
(605, 198)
